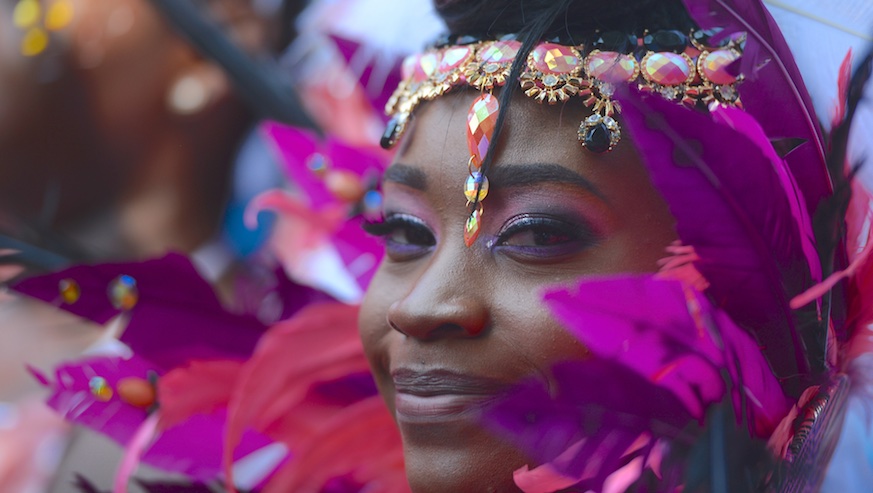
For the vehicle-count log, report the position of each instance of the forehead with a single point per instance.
(533, 133)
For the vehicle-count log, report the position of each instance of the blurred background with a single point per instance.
(132, 128)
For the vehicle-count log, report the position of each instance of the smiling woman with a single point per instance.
(684, 227)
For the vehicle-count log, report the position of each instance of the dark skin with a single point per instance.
(447, 327)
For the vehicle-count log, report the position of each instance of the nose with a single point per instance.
(448, 300)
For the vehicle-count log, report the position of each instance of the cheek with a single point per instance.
(525, 326)
(373, 322)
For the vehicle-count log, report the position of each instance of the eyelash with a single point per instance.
(573, 236)
(417, 237)
(407, 237)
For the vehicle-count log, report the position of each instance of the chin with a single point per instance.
(485, 466)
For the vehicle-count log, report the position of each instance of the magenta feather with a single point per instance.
(178, 316)
(662, 357)
(673, 336)
(773, 91)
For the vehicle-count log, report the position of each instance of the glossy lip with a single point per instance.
(441, 395)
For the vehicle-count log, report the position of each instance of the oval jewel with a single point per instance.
(472, 184)
(550, 58)
(612, 67)
(666, 69)
(715, 66)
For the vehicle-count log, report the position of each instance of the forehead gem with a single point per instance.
(611, 67)
(667, 69)
(551, 58)
(481, 121)
(472, 227)
(715, 67)
(472, 185)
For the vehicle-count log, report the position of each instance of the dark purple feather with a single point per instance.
(773, 92)
(598, 401)
(734, 202)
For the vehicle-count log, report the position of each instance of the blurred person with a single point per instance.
(117, 141)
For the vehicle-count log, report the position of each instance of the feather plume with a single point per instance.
(662, 357)
(773, 81)
(298, 379)
(735, 202)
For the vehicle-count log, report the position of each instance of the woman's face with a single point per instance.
(447, 328)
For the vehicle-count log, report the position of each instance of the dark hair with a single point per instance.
(490, 18)
(572, 21)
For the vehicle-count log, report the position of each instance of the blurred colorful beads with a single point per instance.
(69, 290)
(100, 389)
(123, 292)
(137, 392)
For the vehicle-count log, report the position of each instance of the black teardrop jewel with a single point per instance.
(599, 133)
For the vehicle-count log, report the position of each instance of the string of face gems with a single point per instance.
(690, 70)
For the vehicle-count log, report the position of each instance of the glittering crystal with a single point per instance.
(550, 80)
(100, 389)
(612, 67)
(610, 122)
(426, 66)
(392, 130)
(490, 68)
(472, 184)
(453, 57)
(499, 52)
(69, 291)
(606, 89)
(594, 119)
(551, 58)
(728, 93)
(123, 292)
(666, 69)
(481, 121)
(716, 66)
(471, 227)
(669, 92)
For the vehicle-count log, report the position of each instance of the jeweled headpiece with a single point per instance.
(690, 70)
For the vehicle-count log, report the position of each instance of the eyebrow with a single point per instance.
(406, 175)
(520, 175)
(503, 176)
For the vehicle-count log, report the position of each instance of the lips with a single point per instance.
(440, 395)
